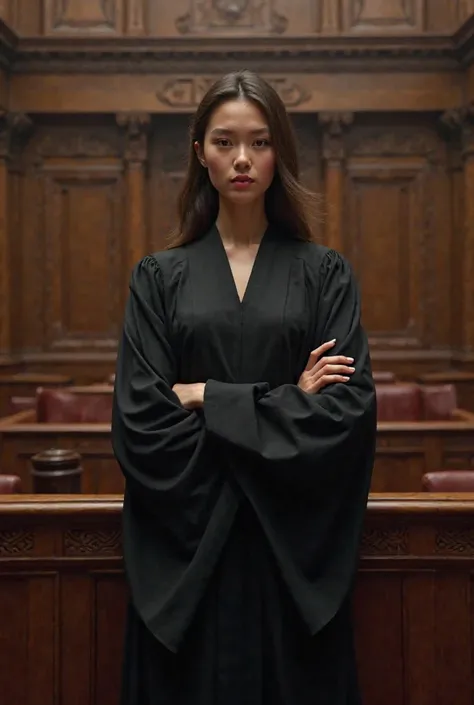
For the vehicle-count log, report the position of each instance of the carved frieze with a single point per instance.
(16, 543)
(77, 143)
(384, 542)
(457, 542)
(231, 15)
(82, 542)
(187, 92)
(80, 16)
(394, 143)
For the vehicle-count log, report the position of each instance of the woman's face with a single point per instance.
(237, 152)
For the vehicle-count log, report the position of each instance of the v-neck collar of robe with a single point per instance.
(224, 269)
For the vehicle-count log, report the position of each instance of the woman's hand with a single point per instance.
(191, 396)
(321, 371)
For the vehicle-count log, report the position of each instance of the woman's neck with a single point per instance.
(241, 226)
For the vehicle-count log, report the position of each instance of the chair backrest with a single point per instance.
(398, 402)
(448, 481)
(62, 406)
(10, 484)
(439, 401)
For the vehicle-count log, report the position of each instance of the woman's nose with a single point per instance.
(242, 158)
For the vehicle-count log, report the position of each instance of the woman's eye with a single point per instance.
(223, 142)
(262, 143)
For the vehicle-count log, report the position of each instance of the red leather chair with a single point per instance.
(10, 484)
(448, 481)
(62, 406)
(439, 401)
(399, 402)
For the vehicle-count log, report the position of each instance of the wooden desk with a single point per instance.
(63, 596)
(405, 451)
(20, 441)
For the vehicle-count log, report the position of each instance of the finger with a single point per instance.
(330, 379)
(333, 360)
(316, 354)
(334, 369)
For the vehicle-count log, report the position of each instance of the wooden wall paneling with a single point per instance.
(445, 15)
(168, 162)
(137, 17)
(75, 252)
(383, 17)
(84, 248)
(390, 237)
(308, 135)
(303, 17)
(29, 18)
(104, 17)
(334, 125)
(135, 128)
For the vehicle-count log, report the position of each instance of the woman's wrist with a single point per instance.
(198, 394)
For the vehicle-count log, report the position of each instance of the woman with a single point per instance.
(247, 452)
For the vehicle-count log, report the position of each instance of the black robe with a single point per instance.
(242, 520)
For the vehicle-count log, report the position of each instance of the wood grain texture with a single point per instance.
(61, 581)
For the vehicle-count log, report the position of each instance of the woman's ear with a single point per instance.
(199, 153)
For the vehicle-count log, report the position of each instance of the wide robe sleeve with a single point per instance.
(177, 508)
(305, 461)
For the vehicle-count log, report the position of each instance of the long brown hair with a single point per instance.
(288, 204)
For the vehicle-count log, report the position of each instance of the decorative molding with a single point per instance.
(263, 53)
(77, 143)
(136, 17)
(136, 126)
(334, 126)
(231, 15)
(82, 542)
(394, 143)
(384, 542)
(187, 92)
(455, 542)
(396, 13)
(16, 543)
(68, 16)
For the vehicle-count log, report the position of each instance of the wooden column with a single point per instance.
(13, 127)
(334, 126)
(136, 127)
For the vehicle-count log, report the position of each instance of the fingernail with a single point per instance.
(350, 359)
(352, 369)
(346, 379)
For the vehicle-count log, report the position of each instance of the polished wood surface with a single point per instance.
(61, 583)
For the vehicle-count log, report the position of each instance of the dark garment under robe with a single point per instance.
(241, 520)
